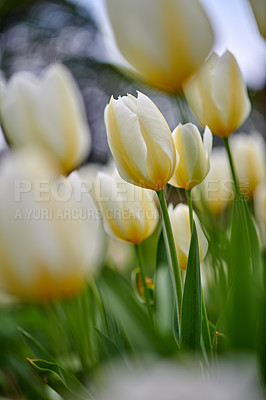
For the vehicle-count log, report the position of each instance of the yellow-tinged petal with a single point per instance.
(47, 112)
(47, 247)
(140, 141)
(217, 94)
(160, 44)
(193, 164)
(130, 212)
(248, 151)
(179, 217)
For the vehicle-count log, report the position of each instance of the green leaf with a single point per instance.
(191, 317)
(164, 300)
(37, 349)
(243, 306)
(65, 384)
(256, 253)
(206, 333)
(162, 253)
(120, 300)
(163, 262)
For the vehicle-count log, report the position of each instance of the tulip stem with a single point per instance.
(190, 207)
(205, 321)
(146, 291)
(172, 248)
(228, 150)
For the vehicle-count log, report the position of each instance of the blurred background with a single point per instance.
(34, 34)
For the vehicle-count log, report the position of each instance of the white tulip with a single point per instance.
(140, 141)
(129, 212)
(173, 381)
(164, 40)
(216, 191)
(179, 217)
(48, 112)
(248, 151)
(217, 94)
(194, 154)
(50, 241)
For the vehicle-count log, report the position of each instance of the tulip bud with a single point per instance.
(140, 141)
(47, 112)
(194, 156)
(179, 217)
(260, 210)
(216, 191)
(129, 212)
(217, 94)
(47, 245)
(156, 37)
(248, 153)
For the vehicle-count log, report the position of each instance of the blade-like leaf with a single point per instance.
(130, 314)
(164, 300)
(242, 306)
(65, 384)
(256, 253)
(192, 304)
(162, 262)
(37, 349)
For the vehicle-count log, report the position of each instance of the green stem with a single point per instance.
(97, 297)
(189, 200)
(146, 291)
(172, 248)
(230, 158)
(204, 312)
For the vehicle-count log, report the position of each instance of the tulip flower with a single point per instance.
(47, 247)
(217, 94)
(48, 112)
(129, 212)
(260, 210)
(179, 217)
(194, 156)
(140, 141)
(168, 380)
(165, 41)
(249, 159)
(216, 191)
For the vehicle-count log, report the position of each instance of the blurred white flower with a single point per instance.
(216, 191)
(179, 217)
(129, 211)
(48, 112)
(169, 381)
(157, 39)
(88, 174)
(248, 151)
(51, 237)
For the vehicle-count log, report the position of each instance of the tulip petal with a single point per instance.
(161, 44)
(161, 156)
(207, 141)
(126, 142)
(66, 115)
(221, 90)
